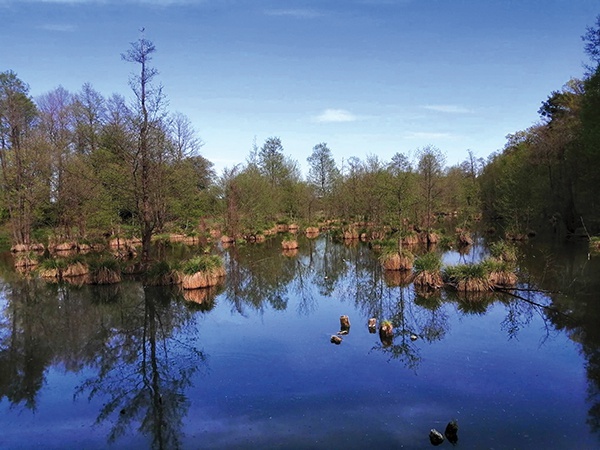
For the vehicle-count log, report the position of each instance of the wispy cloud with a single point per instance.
(451, 109)
(60, 28)
(336, 115)
(296, 13)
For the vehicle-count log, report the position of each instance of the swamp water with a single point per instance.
(251, 365)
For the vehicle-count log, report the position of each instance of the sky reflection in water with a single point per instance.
(257, 370)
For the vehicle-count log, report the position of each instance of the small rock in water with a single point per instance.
(451, 431)
(336, 340)
(435, 437)
(413, 337)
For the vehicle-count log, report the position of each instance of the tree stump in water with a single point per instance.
(372, 325)
(344, 324)
(386, 333)
(451, 432)
(435, 437)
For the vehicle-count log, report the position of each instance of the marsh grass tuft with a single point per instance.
(468, 277)
(503, 251)
(203, 263)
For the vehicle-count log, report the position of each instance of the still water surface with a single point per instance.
(252, 366)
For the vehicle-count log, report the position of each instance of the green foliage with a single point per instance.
(203, 263)
(464, 272)
(4, 240)
(161, 272)
(104, 262)
(429, 262)
(390, 247)
(289, 237)
(498, 265)
(54, 264)
(503, 251)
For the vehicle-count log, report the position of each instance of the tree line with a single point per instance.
(81, 165)
(549, 173)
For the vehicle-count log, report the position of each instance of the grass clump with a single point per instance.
(202, 271)
(468, 277)
(105, 270)
(502, 251)
(429, 262)
(595, 243)
(393, 258)
(162, 273)
(428, 271)
(501, 274)
(203, 263)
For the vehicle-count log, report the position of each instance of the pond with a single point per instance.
(251, 365)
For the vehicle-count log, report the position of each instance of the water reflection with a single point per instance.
(143, 369)
(571, 279)
(139, 342)
(139, 346)
(25, 348)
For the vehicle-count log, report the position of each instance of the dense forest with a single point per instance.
(81, 166)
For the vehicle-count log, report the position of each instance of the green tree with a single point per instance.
(89, 109)
(323, 172)
(430, 169)
(271, 161)
(17, 116)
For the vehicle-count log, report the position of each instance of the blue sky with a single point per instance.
(368, 77)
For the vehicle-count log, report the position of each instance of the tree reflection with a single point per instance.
(258, 275)
(145, 367)
(571, 279)
(24, 350)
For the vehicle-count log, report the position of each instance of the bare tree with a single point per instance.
(148, 158)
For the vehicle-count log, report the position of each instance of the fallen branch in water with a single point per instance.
(510, 292)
